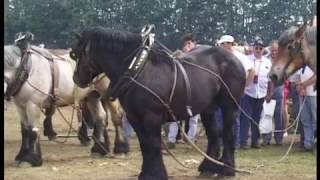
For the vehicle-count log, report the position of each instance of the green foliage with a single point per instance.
(54, 22)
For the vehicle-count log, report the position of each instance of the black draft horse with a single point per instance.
(111, 51)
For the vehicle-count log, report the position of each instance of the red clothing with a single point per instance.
(286, 91)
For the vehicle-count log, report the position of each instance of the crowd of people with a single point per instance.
(257, 59)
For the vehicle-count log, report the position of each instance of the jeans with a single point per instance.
(279, 123)
(193, 124)
(309, 120)
(296, 105)
(128, 130)
(253, 108)
(236, 128)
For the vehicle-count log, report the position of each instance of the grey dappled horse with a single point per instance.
(32, 95)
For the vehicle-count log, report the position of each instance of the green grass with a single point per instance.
(264, 163)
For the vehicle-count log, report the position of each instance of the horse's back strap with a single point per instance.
(187, 84)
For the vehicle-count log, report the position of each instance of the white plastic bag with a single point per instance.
(265, 124)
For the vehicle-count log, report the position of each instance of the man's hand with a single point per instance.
(268, 98)
(301, 89)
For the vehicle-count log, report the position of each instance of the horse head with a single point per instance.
(86, 69)
(101, 50)
(291, 55)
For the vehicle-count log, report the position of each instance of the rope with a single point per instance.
(173, 156)
(291, 143)
(252, 120)
(70, 124)
(184, 134)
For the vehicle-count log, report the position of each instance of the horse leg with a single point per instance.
(148, 131)
(120, 145)
(228, 142)
(47, 124)
(86, 119)
(30, 147)
(100, 134)
(213, 147)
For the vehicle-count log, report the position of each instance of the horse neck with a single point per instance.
(120, 65)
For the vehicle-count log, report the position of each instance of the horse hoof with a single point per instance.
(22, 164)
(120, 148)
(96, 155)
(100, 148)
(206, 174)
(51, 138)
(120, 156)
(85, 143)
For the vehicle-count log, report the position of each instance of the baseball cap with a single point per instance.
(258, 41)
(225, 38)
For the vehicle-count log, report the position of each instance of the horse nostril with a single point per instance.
(273, 77)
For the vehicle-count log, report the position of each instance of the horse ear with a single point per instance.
(300, 31)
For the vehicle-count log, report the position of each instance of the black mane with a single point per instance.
(110, 40)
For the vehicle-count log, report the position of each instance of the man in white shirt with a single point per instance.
(309, 110)
(226, 41)
(254, 96)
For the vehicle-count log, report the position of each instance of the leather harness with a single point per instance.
(137, 65)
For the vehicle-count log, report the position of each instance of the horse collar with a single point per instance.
(20, 77)
(139, 60)
(136, 66)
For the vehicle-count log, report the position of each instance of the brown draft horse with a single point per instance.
(297, 48)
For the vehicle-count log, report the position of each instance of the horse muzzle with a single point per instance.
(277, 79)
(80, 83)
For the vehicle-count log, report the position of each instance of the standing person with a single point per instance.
(294, 95)
(278, 95)
(227, 42)
(189, 43)
(309, 109)
(254, 96)
(128, 130)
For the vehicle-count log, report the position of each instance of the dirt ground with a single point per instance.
(70, 160)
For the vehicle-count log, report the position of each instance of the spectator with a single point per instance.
(226, 41)
(309, 109)
(294, 95)
(189, 43)
(278, 95)
(128, 130)
(254, 96)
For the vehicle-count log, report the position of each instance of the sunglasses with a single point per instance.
(258, 48)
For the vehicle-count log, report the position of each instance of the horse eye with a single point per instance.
(73, 55)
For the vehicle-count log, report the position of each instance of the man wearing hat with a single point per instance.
(227, 42)
(254, 96)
